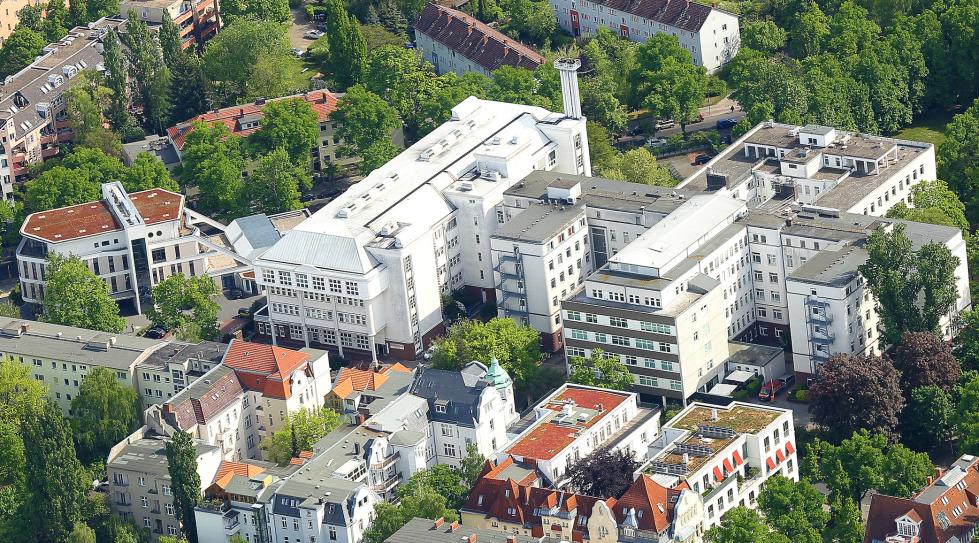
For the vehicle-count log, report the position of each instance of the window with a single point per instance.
(618, 322)
(450, 450)
(333, 533)
(573, 316)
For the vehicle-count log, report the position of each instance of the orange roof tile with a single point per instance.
(264, 368)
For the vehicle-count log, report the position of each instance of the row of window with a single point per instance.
(622, 341)
(303, 281)
(620, 322)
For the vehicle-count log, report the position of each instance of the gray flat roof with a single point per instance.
(603, 193)
(419, 530)
(540, 223)
(148, 455)
(834, 266)
(179, 351)
(751, 353)
(69, 344)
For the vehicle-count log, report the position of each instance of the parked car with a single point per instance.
(725, 123)
(655, 142)
(663, 124)
(157, 332)
(702, 159)
(787, 380)
(245, 312)
(297, 51)
(235, 294)
(312, 34)
(770, 389)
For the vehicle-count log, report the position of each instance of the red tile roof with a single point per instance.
(474, 39)
(323, 103)
(205, 398)
(264, 368)
(228, 470)
(935, 506)
(92, 218)
(683, 14)
(351, 379)
(547, 439)
(654, 500)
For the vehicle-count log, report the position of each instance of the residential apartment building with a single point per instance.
(173, 366)
(454, 41)
(198, 20)
(366, 272)
(139, 480)
(246, 119)
(247, 397)
(32, 108)
(11, 16)
(61, 356)
(130, 241)
(711, 35)
(420, 530)
(724, 454)
(576, 420)
(944, 511)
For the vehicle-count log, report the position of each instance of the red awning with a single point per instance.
(771, 465)
(737, 458)
(779, 455)
(717, 474)
(789, 448)
(728, 466)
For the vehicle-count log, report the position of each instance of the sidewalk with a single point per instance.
(720, 108)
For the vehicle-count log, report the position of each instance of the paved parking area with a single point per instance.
(299, 25)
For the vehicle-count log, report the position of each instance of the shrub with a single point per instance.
(801, 395)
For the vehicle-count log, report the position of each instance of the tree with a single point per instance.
(515, 346)
(966, 343)
(102, 414)
(444, 480)
(520, 86)
(764, 36)
(604, 157)
(53, 476)
(966, 419)
(78, 13)
(291, 125)
(741, 524)
(924, 358)
(637, 165)
(213, 161)
(262, 10)
(471, 467)
(365, 122)
(179, 299)
(389, 518)
(915, 289)
(19, 49)
(187, 87)
(102, 8)
(807, 30)
(87, 99)
(601, 371)
(32, 16)
(148, 172)
(934, 203)
(74, 296)
(301, 430)
(845, 523)
(533, 21)
(274, 185)
(250, 59)
(853, 393)
(348, 49)
(148, 73)
(958, 158)
(55, 21)
(927, 419)
(21, 396)
(905, 471)
(117, 82)
(793, 509)
(599, 103)
(81, 534)
(170, 41)
(666, 82)
(603, 473)
(185, 482)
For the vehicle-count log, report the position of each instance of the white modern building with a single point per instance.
(711, 35)
(366, 272)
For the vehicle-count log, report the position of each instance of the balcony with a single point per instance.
(387, 485)
(823, 338)
(49, 152)
(823, 317)
(49, 138)
(378, 466)
(813, 301)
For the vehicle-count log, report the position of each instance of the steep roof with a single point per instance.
(204, 398)
(654, 500)
(474, 39)
(453, 396)
(264, 368)
(682, 14)
(323, 103)
(946, 507)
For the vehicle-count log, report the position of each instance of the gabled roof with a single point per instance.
(682, 14)
(474, 39)
(322, 250)
(204, 398)
(323, 103)
(264, 368)
(228, 470)
(353, 379)
(946, 507)
(654, 500)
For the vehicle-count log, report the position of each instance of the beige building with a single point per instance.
(174, 366)
(198, 20)
(11, 16)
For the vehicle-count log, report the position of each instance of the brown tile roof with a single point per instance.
(323, 103)
(682, 14)
(204, 398)
(474, 39)
(351, 379)
(228, 470)
(264, 368)
(935, 506)
(654, 500)
(91, 218)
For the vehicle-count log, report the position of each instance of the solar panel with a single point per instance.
(696, 450)
(717, 432)
(669, 469)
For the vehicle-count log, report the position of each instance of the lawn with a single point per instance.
(929, 127)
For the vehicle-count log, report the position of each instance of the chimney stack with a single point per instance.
(569, 86)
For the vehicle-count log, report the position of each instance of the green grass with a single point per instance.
(929, 127)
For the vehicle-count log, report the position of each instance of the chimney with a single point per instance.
(686, 459)
(454, 526)
(511, 538)
(713, 415)
(439, 522)
(472, 538)
(569, 86)
(938, 473)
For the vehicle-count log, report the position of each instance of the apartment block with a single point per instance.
(247, 397)
(130, 241)
(173, 366)
(33, 119)
(711, 35)
(198, 20)
(246, 119)
(574, 421)
(11, 16)
(944, 511)
(454, 41)
(365, 273)
(139, 480)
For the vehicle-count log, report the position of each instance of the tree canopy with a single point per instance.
(852, 393)
(102, 413)
(291, 125)
(213, 161)
(603, 473)
(179, 300)
(185, 482)
(600, 371)
(300, 431)
(365, 123)
(515, 346)
(74, 296)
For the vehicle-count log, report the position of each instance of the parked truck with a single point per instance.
(770, 389)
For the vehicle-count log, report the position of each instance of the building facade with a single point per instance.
(711, 35)
(198, 20)
(454, 41)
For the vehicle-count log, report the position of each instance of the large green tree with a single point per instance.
(117, 82)
(87, 100)
(301, 430)
(958, 159)
(19, 50)
(914, 288)
(601, 371)
(740, 525)
(934, 203)
(927, 419)
(348, 48)
(291, 125)
(20, 396)
(666, 82)
(74, 296)
(794, 509)
(179, 300)
(185, 482)
(53, 476)
(170, 41)
(275, 184)
(213, 161)
(517, 347)
(966, 418)
(365, 123)
(102, 414)
(188, 93)
(148, 74)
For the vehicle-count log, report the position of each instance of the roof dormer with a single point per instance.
(908, 524)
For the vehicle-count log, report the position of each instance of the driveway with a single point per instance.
(228, 310)
(299, 25)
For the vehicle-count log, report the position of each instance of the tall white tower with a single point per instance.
(569, 86)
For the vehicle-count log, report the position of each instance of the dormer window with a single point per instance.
(439, 408)
(907, 527)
